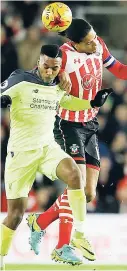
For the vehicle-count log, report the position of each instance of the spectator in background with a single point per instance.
(28, 48)
(106, 202)
(120, 87)
(15, 23)
(118, 148)
(116, 122)
(9, 59)
(27, 9)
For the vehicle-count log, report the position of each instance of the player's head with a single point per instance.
(82, 35)
(49, 63)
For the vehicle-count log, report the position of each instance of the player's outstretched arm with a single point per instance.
(72, 103)
(112, 64)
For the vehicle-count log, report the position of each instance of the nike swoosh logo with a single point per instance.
(87, 250)
(32, 228)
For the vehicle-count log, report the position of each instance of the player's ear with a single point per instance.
(38, 62)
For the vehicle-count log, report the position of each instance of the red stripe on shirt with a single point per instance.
(64, 59)
(75, 84)
(63, 113)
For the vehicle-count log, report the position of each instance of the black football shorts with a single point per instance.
(79, 140)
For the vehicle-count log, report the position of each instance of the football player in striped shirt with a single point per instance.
(76, 131)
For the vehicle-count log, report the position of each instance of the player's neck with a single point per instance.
(45, 83)
(73, 45)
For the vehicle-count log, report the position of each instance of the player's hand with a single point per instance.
(101, 97)
(65, 82)
(5, 101)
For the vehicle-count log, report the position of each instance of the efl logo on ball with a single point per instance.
(57, 17)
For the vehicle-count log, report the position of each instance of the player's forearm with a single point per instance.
(72, 103)
(119, 70)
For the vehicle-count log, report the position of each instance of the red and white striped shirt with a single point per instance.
(85, 72)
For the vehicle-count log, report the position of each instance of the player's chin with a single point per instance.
(93, 50)
(48, 79)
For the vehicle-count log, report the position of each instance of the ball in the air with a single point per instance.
(57, 17)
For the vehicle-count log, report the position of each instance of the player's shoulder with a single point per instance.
(19, 76)
(101, 46)
(102, 42)
(15, 78)
(67, 47)
(17, 72)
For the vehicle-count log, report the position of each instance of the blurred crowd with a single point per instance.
(22, 35)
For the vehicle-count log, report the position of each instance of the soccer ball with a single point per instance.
(57, 17)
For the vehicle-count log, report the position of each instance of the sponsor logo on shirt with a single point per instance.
(36, 90)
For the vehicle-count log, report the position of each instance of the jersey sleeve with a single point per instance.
(10, 86)
(72, 103)
(108, 59)
(113, 65)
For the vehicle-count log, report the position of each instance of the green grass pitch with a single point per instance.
(65, 267)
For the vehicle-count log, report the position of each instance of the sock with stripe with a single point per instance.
(52, 214)
(65, 221)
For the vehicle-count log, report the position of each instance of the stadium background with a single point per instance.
(22, 35)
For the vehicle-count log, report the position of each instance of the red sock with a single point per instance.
(46, 218)
(65, 221)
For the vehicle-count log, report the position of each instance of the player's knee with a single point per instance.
(15, 218)
(74, 179)
(90, 194)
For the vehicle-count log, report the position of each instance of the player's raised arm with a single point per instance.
(112, 64)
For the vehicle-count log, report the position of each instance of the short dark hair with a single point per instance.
(51, 50)
(78, 29)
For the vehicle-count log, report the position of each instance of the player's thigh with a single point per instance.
(68, 137)
(58, 164)
(52, 155)
(20, 172)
